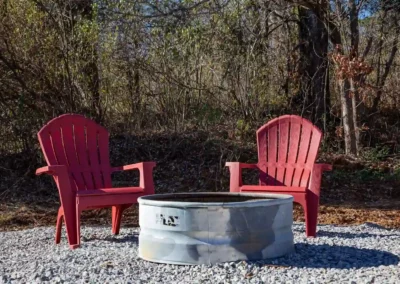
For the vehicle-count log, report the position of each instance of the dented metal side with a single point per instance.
(208, 233)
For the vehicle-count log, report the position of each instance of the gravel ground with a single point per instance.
(357, 254)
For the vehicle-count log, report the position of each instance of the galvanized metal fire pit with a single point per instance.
(207, 228)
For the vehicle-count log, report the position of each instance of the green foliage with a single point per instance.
(375, 154)
(208, 115)
(243, 128)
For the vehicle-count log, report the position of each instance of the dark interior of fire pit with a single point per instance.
(211, 198)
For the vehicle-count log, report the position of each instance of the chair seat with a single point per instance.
(269, 188)
(109, 191)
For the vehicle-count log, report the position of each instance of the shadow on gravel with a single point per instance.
(322, 233)
(305, 255)
(133, 238)
(339, 257)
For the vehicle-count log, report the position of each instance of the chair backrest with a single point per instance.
(287, 149)
(80, 144)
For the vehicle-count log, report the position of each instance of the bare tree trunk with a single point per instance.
(354, 100)
(313, 38)
(347, 118)
(380, 80)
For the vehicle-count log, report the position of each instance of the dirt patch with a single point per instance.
(346, 215)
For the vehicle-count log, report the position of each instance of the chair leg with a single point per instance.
(78, 228)
(117, 216)
(60, 217)
(311, 211)
(114, 211)
(70, 219)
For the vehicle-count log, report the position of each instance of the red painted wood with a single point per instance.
(302, 152)
(271, 187)
(47, 147)
(262, 156)
(93, 151)
(235, 176)
(59, 225)
(294, 139)
(81, 152)
(117, 212)
(316, 137)
(104, 191)
(76, 151)
(98, 201)
(58, 147)
(283, 149)
(70, 151)
(287, 150)
(103, 144)
(272, 151)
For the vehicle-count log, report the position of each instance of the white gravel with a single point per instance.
(358, 254)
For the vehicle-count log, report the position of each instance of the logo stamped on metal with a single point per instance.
(172, 221)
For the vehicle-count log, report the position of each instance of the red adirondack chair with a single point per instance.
(76, 152)
(287, 149)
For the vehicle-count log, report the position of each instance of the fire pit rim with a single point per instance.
(270, 198)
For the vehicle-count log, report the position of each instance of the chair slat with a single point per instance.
(58, 146)
(283, 149)
(272, 153)
(47, 146)
(294, 138)
(103, 143)
(67, 131)
(303, 151)
(262, 156)
(93, 151)
(82, 153)
(315, 141)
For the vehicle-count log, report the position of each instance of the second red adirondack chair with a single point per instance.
(287, 150)
(76, 152)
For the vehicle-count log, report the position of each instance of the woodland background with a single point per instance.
(187, 83)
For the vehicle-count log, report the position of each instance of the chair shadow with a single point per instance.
(334, 256)
(132, 238)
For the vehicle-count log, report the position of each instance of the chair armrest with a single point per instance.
(62, 179)
(52, 170)
(316, 176)
(241, 165)
(324, 167)
(235, 169)
(146, 174)
(137, 166)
